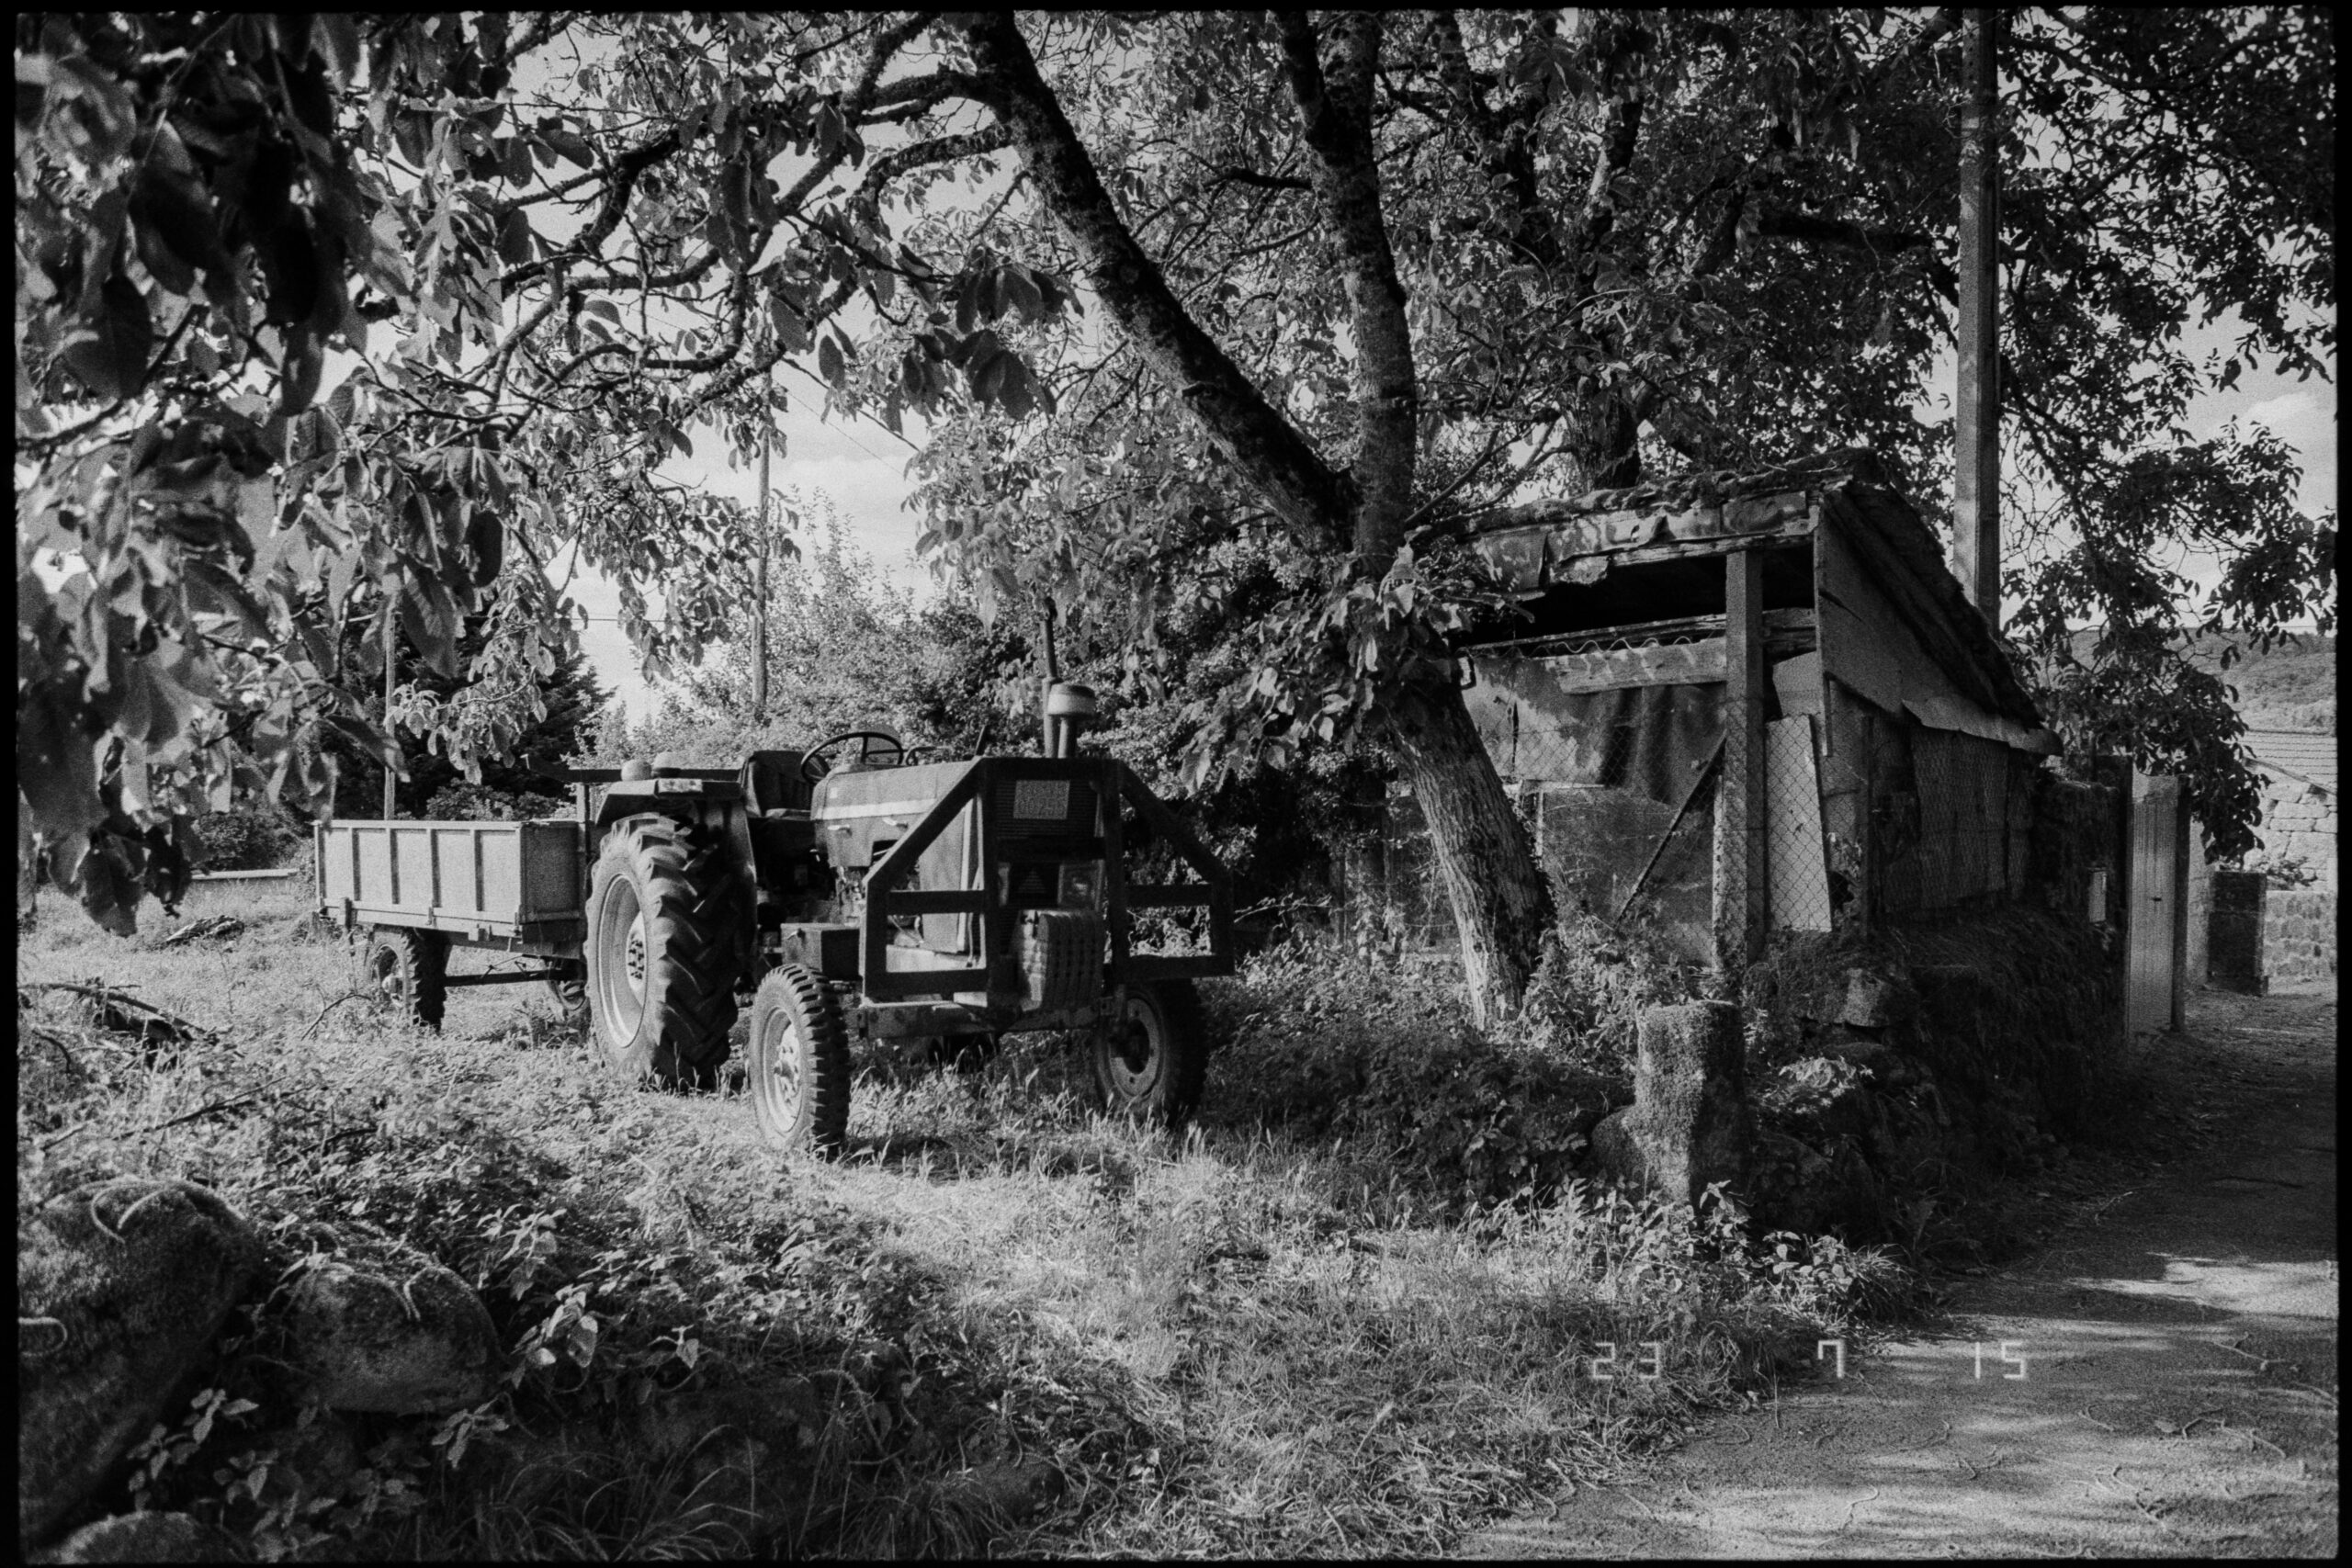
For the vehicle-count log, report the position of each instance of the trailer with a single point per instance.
(852, 897)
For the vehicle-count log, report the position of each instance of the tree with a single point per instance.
(1346, 284)
(844, 649)
(1367, 283)
(571, 699)
(211, 209)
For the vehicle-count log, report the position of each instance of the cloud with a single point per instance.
(2305, 422)
(870, 494)
(2296, 417)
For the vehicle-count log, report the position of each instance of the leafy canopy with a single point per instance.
(1628, 243)
(532, 255)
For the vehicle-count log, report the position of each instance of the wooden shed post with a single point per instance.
(1977, 437)
(1742, 893)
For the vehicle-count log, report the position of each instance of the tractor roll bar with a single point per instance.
(1113, 783)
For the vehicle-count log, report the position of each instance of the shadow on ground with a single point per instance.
(2159, 1379)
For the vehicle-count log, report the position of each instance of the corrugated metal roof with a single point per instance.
(2302, 752)
(1537, 545)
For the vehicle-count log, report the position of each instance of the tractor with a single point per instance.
(853, 893)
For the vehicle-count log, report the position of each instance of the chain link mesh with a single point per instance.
(1947, 826)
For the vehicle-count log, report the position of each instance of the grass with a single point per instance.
(1357, 1309)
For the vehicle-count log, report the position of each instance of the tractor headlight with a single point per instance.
(1081, 885)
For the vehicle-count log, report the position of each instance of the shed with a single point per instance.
(1734, 702)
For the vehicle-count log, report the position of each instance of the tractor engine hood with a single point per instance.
(853, 811)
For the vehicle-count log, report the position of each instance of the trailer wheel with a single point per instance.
(1151, 1063)
(568, 988)
(667, 919)
(405, 970)
(799, 1073)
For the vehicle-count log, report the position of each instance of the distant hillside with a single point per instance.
(2291, 687)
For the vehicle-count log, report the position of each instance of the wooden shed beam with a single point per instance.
(1742, 891)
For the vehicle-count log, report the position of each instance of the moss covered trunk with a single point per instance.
(1501, 904)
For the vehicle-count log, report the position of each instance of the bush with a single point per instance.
(1589, 990)
(464, 802)
(1329, 1047)
(2282, 871)
(251, 838)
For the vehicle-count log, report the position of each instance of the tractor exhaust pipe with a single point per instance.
(1070, 707)
(1070, 704)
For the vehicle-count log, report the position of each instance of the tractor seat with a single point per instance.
(772, 785)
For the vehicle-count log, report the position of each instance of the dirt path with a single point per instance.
(2180, 1379)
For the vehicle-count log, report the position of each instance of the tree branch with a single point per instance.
(1271, 454)
(889, 165)
(1502, 151)
(1335, 114)
(1234, 174)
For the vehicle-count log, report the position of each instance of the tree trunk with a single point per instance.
(1502, 905)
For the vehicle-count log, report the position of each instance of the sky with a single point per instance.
(862, 467)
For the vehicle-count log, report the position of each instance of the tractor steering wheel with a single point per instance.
(813, 767)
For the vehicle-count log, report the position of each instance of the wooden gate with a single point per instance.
(2156, 917)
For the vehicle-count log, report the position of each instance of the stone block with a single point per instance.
(120, 1288)
(400, 1336)
(1689, 1126)
(145, 1538)
(1795, 1186)
(1878, 999)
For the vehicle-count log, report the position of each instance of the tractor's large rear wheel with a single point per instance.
(668, 923)
(1151, 1062)
(798, 1074)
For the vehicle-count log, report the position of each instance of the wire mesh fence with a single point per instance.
(1652, 834)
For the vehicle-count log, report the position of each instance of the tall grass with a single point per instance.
(1359, 1307)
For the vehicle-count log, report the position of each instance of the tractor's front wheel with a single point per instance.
(797, 1076)
(1151, 1062)
(406, 970)
(668, 920)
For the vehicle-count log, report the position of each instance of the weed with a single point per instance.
(1361, 1306)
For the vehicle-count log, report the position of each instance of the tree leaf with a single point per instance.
(304, 361)
(514, 238)
(214, 590)
(56, 762)
(568, 145)
(110, 355)
(430, 621)
(289, 263)
(791, 328)
(486, 543)
(828, 360)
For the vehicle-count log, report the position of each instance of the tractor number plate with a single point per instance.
(1040, 800)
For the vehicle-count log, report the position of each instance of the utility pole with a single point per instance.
(1976, 443)
(392, 660)
(760, 583)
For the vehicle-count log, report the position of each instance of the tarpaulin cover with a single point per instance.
(1649, 740)
(1612, 769)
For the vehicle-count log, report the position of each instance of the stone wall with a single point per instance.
(2298, 821)
(2233, 930)
(2298, 935)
